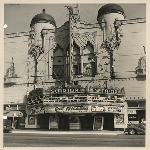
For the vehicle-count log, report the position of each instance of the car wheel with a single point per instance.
(132, 131)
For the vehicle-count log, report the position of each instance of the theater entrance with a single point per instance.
(76, 122)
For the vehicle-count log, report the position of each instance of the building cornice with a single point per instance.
(131, 21)
(19, 34)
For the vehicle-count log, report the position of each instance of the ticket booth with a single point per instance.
(74, 123)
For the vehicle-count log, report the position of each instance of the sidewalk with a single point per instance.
(40, 131)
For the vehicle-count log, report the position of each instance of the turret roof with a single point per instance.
(110, 8)
(43, 17)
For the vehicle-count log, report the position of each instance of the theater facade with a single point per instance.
(85, 76)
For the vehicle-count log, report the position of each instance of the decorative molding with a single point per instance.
(86, 25)
(35, 51)
(20, 34)
(141, 68)
(62, 41)
(47, 31)
(82, 39)
(131, 21)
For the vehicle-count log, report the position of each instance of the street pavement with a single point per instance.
(72, 139)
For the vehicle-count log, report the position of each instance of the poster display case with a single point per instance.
(119, 119)
(98, 123)
(31, 120)
(53, 122)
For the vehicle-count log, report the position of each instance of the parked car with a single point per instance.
(7, 126)
(135, 128)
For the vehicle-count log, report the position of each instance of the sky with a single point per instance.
(18, 16)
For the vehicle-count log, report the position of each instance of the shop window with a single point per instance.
(21, 107)
(132, 117)
(132, 104)
(142, 104)
(11, 107)
(141, 115)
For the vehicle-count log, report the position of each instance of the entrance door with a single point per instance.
(108, 121)
(64, 122)
(44, 122)
(87, 122)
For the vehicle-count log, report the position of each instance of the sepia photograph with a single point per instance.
(74, 75)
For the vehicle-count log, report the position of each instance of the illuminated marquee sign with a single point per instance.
(112, 109)
(70, 109)
(105, 91)
(72, 90)
(95, 90)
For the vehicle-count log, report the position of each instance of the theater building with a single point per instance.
(86, 76)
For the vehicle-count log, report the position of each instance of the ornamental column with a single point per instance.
(65, 61)
(64, 65)
(81, 54)
(44, 33)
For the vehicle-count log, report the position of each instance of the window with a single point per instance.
(132, 104)
(75, 82)
(59, 60)
(142, 104)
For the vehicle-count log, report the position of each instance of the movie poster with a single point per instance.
(31, 120)
(119, 119)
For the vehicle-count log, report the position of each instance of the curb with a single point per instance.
(98, 133)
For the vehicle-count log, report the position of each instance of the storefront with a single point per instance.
(16, 115)
(88, 121)
(136, 111)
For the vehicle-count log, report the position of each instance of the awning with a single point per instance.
(13, 113)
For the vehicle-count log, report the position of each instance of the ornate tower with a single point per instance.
(108, 14)
(42, 30)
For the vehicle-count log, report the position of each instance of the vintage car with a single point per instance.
(6, 126)
(135, 128)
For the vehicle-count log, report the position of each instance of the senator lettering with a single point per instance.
(105, 91)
